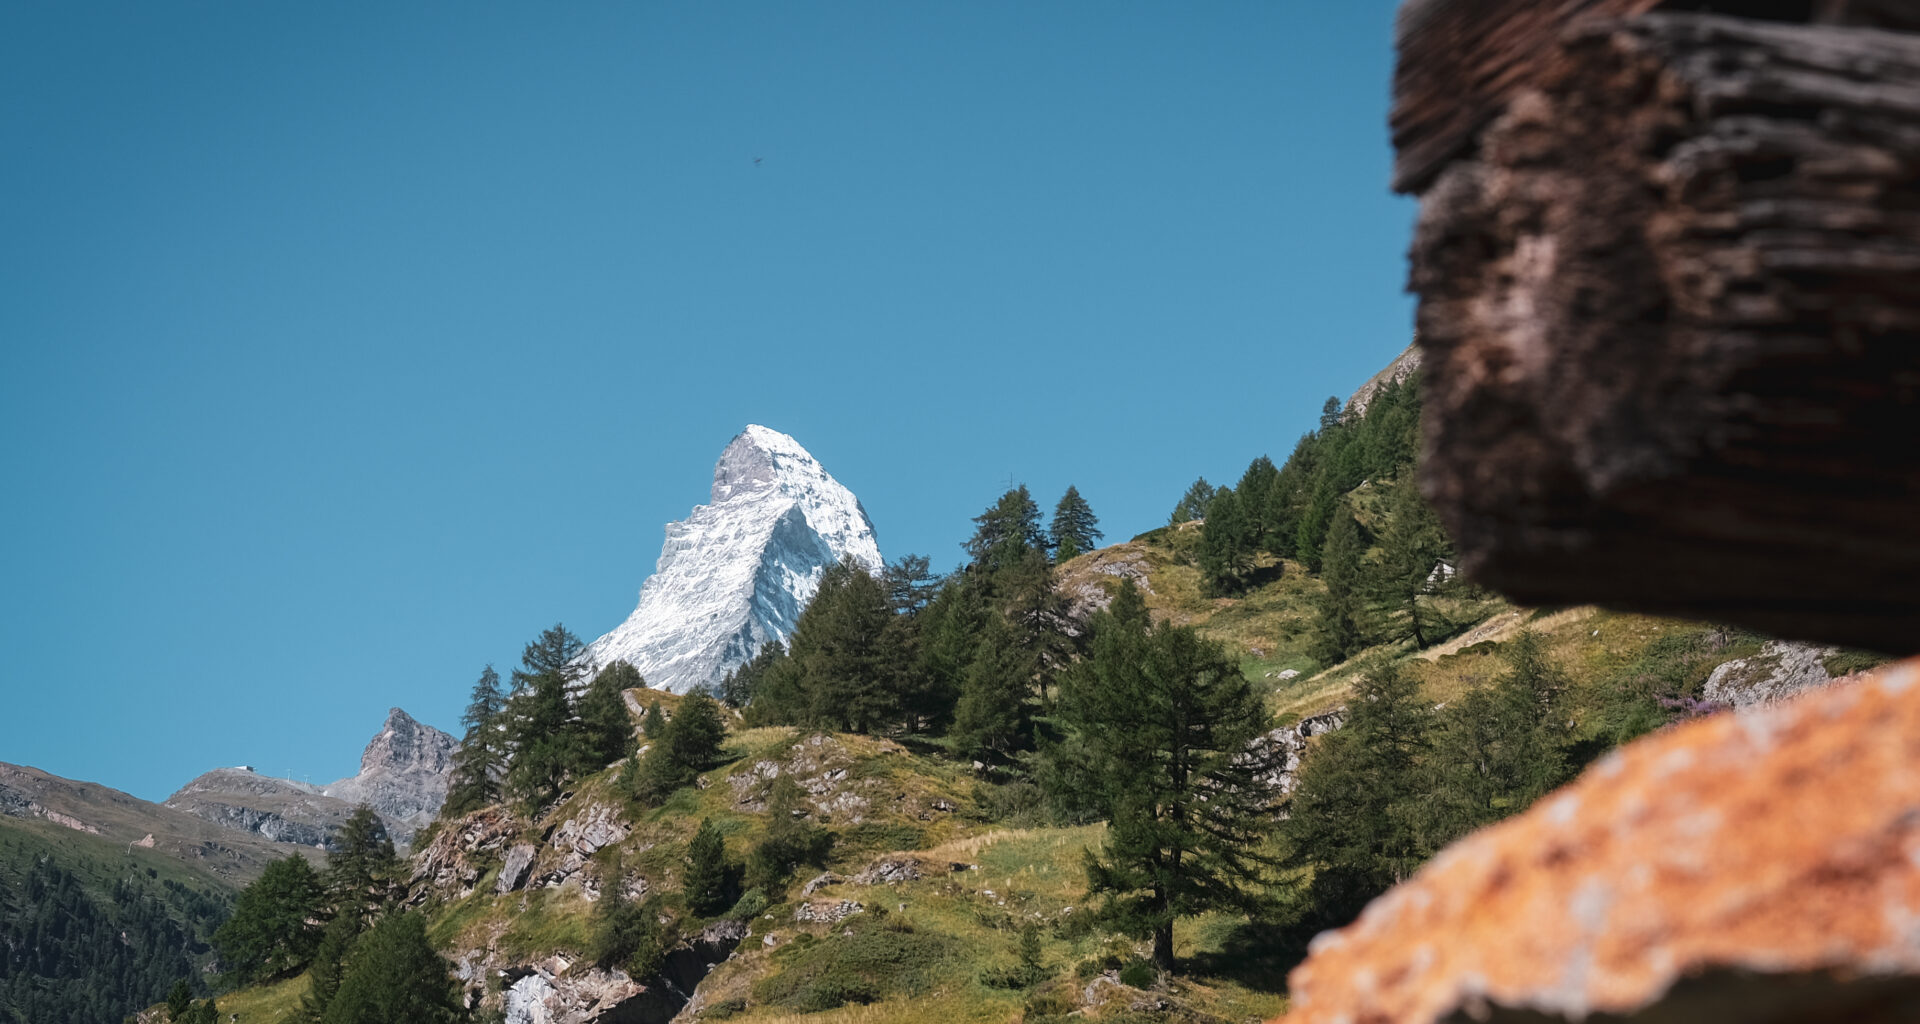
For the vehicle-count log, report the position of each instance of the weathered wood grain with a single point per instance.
(1671, 315)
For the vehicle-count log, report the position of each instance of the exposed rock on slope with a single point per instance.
(1403, 366)
(278, 810)
(737, 572)
(403, 776)
(1780, 670)
(1757, 867)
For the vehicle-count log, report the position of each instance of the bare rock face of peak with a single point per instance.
(737, 572)
(403, 775)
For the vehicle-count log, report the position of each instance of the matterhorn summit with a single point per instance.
(737, 572)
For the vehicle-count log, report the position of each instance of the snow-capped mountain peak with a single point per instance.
(738, 571)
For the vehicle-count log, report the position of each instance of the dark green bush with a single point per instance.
(1139, 974)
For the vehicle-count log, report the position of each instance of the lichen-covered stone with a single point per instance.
(1763, 866)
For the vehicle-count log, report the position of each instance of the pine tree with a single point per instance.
(393, 974)
(1316, 516)
(179, 999)
(686, 747)
(707, 887)
(1004, 531)
(1226, 543)
(1329, 414)
(1255, 490)
(653, 724)
(1168, 724)
(1075, 530)
(1358, 795)
(1193, 504)
(994, 716)
(1414, 546)
(603, 716)
(361, 868)
(329, 963)
(480, 763)
(949, 634)
(1338, 634)
(271, 931)
(840, 643)
(546, 745)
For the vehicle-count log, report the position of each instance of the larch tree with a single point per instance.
(1167, 726)
(1075, 530)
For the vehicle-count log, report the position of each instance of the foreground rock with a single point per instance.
(1666, 276)
(1759, 867)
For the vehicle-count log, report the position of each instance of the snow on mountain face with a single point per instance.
(737, 572)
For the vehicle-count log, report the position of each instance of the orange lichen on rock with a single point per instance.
(1779, 842)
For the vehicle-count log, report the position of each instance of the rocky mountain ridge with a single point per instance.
(403, 776)
(737, 572)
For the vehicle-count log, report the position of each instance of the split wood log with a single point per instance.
(1671, 315)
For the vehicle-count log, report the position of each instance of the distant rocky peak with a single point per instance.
(405, 745)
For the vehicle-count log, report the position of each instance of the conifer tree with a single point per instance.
(1226, 543)
(1167, 723)
(686, 747)
(707, 887)
(1329, 414)
(1193, 504)
(1075, 530)
(603, 716)
(949, 634)
(653, 724)
(789, 841)
(1414, 545)
(849, 674)
(1255, 491)
(994, 716)
(1338, 633)
(329, 963)
(362, 867)
(271, 932)
(480, 763)
(1005, 530)
(393, 974)
(1358, 796)
(1316, 516)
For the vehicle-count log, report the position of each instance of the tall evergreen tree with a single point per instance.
(1226, 543)
(393, 975)
(1414, 545)
(1316, 516)
(272, 930)
(1356, 800)
(840, 643)
(1193, 504)
(1255, 490)
(688, 746)
(1329, 414)
(1007, 529)
(1168, 724)
(362, 868)
(994, 715)
(1338, 633)
(603, 716)
(708, 886)
(480, 763)
(949, 634)
(1075, 530)
(329, 963)
(1498, 750)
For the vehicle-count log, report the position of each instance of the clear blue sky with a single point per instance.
(343, 347)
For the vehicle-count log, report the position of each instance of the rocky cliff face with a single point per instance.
(278, 810)
(403, 776)
(737, 573)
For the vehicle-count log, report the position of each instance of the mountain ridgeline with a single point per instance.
(1066, 780)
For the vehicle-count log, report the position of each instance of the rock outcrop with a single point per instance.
(1780, 670)
(736, 574)
(1762, 867)
(275, 809)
